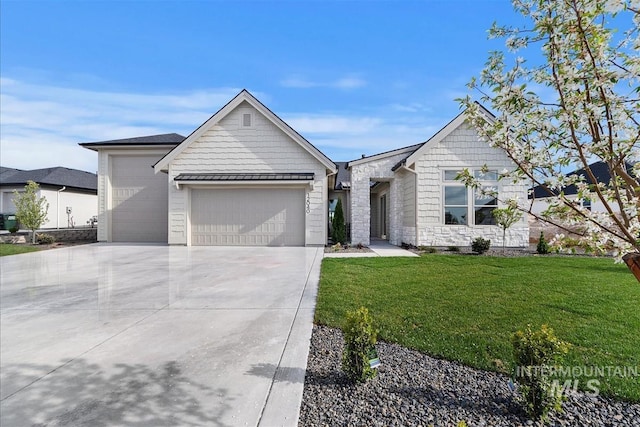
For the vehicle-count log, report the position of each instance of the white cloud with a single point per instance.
(41, 125)
(346, 82)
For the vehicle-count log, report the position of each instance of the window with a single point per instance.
(455, 205)
(247, 121)
(463, 203)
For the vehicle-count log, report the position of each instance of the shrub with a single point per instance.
(359, 345)
(535, 352)
(339, 231)
(543, 246)
(480, 245)
(428, 249)
(453, 249)
(13, 230)
(45, 239)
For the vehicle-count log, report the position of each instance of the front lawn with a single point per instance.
(13, 249)
(465, 308)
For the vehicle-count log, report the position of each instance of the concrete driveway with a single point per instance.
(107, 335)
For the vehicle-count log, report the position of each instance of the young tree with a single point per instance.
(339, 232)
(505, 218)
(31, 210)
(579, 104)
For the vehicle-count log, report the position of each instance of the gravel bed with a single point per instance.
(413, 389)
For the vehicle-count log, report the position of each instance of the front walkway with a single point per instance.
(379, 248)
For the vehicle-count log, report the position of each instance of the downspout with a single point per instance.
(58, 206)
(415, 200)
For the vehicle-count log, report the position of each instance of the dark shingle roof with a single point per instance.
(600, 171)
(162, 139)
(300, 176)
(5, 173)
(57, 176)
(343, 177)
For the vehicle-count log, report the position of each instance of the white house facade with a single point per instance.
(245, 177)
(410, 195)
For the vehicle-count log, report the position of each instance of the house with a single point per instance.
(541, 197)
(410, 195)
(245, 177)
(72, 194)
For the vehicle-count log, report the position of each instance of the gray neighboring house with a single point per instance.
(72, 194)
(245, 177)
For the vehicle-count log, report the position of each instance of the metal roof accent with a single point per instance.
(298, 176)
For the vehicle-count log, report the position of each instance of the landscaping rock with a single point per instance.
(413, 389)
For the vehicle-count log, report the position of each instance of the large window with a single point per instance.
(464, 205)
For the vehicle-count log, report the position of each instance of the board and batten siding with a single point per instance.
(462, 148)
(227, 147)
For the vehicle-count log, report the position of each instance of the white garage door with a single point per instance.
(247, 217)
(139, 200)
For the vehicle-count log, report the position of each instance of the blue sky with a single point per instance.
(353, 77)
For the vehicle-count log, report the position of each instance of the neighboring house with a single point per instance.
(540, 197)
(72, 194)
(245, 177)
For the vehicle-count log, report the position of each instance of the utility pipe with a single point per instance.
(58, 206)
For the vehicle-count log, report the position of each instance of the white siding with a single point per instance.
(230, 147)
(83, 206)
(462, 149)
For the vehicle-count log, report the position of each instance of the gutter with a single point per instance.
(64, 187)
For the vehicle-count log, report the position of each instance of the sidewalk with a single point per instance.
(379, 248)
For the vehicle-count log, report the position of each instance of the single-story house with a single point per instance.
(245, 177)
(540, 197)
(72, 194)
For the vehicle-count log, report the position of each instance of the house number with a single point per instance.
(308, 203)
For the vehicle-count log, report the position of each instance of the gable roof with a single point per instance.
(408, 150)
(442, 134)
(56, 176)
(599, 169)
(5, 173)
(244, 96)
(162, 139)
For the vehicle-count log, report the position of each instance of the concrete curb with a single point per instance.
(282, 407)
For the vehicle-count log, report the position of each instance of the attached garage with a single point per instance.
(138, 200)
(248, 217)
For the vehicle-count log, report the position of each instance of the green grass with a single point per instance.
(11, 249)
(466, 308)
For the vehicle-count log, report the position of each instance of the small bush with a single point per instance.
(480, 245)
(453, 249)
(45, 239)
(543, 246)
(359, 344)
(428, 249)
(535, 352)
(13, 230)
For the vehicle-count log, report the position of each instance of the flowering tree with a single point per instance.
(577, 105)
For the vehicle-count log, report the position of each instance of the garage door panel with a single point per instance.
(248, 217)
(139, 200)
